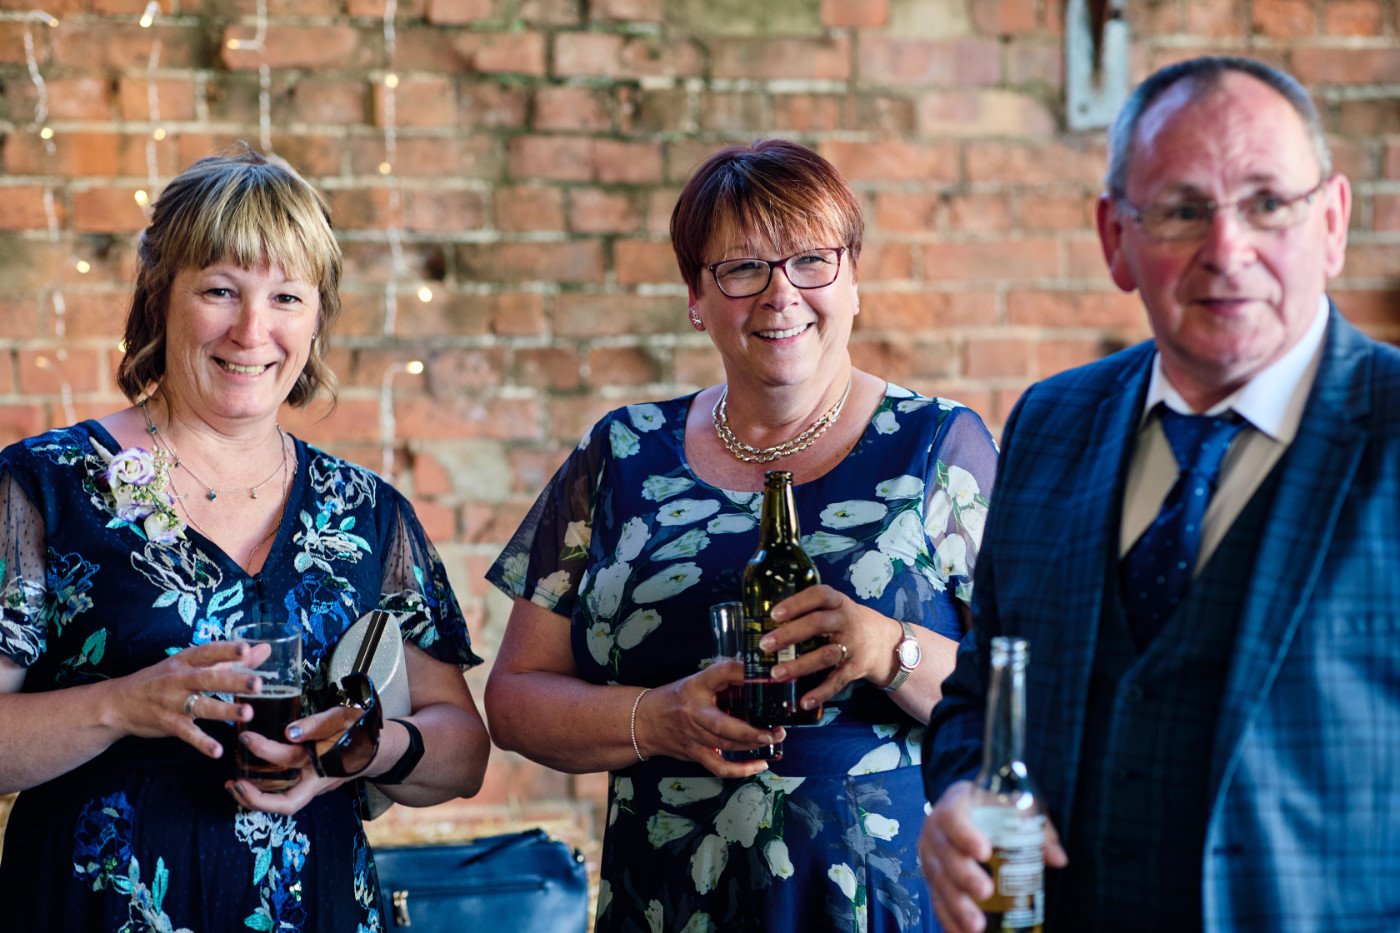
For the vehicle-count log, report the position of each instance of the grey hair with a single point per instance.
(1204, 75)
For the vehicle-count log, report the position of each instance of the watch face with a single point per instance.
(908, 653)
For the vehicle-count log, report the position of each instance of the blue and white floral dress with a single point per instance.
(144, 837)
(632, 547)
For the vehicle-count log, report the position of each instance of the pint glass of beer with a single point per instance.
(278, 703)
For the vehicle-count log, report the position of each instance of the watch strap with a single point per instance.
(903, 673)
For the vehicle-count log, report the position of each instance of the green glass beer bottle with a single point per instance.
(778, 569)
(1005, 805)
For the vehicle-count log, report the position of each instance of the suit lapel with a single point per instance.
(1326, 451)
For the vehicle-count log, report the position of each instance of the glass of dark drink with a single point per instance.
(275, 706)
(726, 621)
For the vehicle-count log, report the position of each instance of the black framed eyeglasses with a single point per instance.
(352, 751)
(811, 268)
(1191, 218)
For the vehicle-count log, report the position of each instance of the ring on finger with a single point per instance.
(189, 704)
(845, 652)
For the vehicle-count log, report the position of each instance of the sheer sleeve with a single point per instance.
(963, 465)
(415, 585)
(547, 557)
(22, 574)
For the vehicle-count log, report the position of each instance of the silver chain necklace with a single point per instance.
(210, 492)
(719, 415)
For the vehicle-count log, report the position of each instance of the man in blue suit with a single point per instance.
(1222, 751)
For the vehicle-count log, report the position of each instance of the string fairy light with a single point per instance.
(387, 423)
(46, 135)
(143, 197)
(258, 44)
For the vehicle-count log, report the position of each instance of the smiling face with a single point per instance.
(783, 336)
(237, 339)
(1225, 306)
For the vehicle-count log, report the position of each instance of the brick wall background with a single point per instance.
(539, 146)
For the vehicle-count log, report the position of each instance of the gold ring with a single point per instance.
(845, 653)
(189, 704)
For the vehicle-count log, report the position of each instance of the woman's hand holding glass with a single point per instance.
(860, 641)
(683, 720)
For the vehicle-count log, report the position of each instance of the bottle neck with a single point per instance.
(1005, 738)
(778, 523)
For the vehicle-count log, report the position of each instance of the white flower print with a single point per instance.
(600, 642)
(661, 488)
(613, 811)
(664, 827)
(914, 745)
(743, 814)
(950, 557)
(845, 879)
(687, 545)
(775, 783)
(577, 535)
(606, 594)
(886, 422)
(623, 789)
(685, 511)
(904, 538)
(871, 574)
(962, 486)
(901, 487)
(974, 521)
(882, 758)
(513, 571)
(912, 404)
(637, 626)
(775, 853)
(646, 417)
(677, 792)
(623, 439)
(897, 391)
(655, 918)
(549, 589)
(940, 506)
(881, 827)
(604, 896)
(708, 862)
(668, 582)
(699, 922)
(853, 512)
(823, 542)
(947, 404)
(730, 522)
(632, 539)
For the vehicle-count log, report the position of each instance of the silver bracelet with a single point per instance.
(632, 724)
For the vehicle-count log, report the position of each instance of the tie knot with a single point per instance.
(1199, 441)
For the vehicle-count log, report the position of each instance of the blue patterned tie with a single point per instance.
(1156, 572)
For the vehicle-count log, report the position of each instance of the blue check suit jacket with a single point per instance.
(1303, 832)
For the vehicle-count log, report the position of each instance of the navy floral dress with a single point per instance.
(632, 547)
(144, 837)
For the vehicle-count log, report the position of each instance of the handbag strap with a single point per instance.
(515, 839)
(373, 632)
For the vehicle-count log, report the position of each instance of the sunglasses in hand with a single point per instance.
(349, 753)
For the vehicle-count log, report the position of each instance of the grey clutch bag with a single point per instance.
(374, 645)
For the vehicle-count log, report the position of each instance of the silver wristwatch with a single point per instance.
(907, 652)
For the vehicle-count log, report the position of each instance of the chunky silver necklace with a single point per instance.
(210, 492)
(748, 454)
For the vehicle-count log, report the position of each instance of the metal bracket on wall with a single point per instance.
(1096, 62)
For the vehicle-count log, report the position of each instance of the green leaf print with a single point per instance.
(262, 865)
(159, 884)
(261, 920)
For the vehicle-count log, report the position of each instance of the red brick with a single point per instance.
(79, 98)
(984, 113)
(1385, 212)
(1219, 19)
(923, 311)
(290, 46)
(570, 416)
(1365, 117)
(529, 208)
(806, 113)
(855, 14)
(627, 10)
(353, 419)
(1004, 17)
(323, 100)
(430, 476)
(1284, 19)
(1085, 258)
(22, 208)
(1314, 65)
(778, 59)
(608, 55)
(997, 357)
(1372, 260)
(905, 362)
(979, 212)
(108, 210)
(637, 262)
(654, 110)
(438, 211)
(737, 113)
(561, 158)
(617, 366)
(571, 108)
(1001, 260)
(552, 368)
(550, 12)
(606, 315)
(885, 261)
(921, 62)
(1368, 307)
(19, 317)
(463, 417)
(885, 114)
(1035, 61)
(460, 372)
(439, 521)
(502, 52)
(1050, 211)
(525, 262)
(1074, 310)
(431, 156)
(99, 45)
(913, 212)
(620, 162)
(1047, 163)
(18, 421)
(505, 314)
(417, 102)
(1056, 356)
(459, 12)
(45, 371)
(595, 210)
(893, 160)
(364, 208)
(1352, 18)
(174, 100)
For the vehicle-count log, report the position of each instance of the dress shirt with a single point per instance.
(1272, 405)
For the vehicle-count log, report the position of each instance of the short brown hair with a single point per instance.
(778, 189)
(238, 207)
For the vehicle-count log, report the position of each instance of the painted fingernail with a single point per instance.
(244, 740)
(766, 644)
(253, 685)
(294, 733)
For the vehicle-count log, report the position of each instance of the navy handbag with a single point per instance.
(522, 881)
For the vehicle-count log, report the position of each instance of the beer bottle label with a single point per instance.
(1017, 866)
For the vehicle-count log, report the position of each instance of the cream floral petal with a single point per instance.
(821, 542)
(623, 440)
(600, 642)
(729, 523)
(636, 627)
(664, 826)
(668, 582)
(606, 594)
(647, 417)
(655, 916)
(776, 783)
(882, 758)
(903, 539)
(845, 879)
(550, 588)
(577, 534)
(886, 422)
(937, 513)
(871, 574)
(974, 520)
(708, 862)
(742, 814)
(881, 827)
(962, 486)
(661, 488)
(901, 487)
(853, 513)
(699, 922)
(687, 545)
(951, 556)
(623, 788)
(686, 511)
(633, 538)
(775, 853)
(677, 792)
